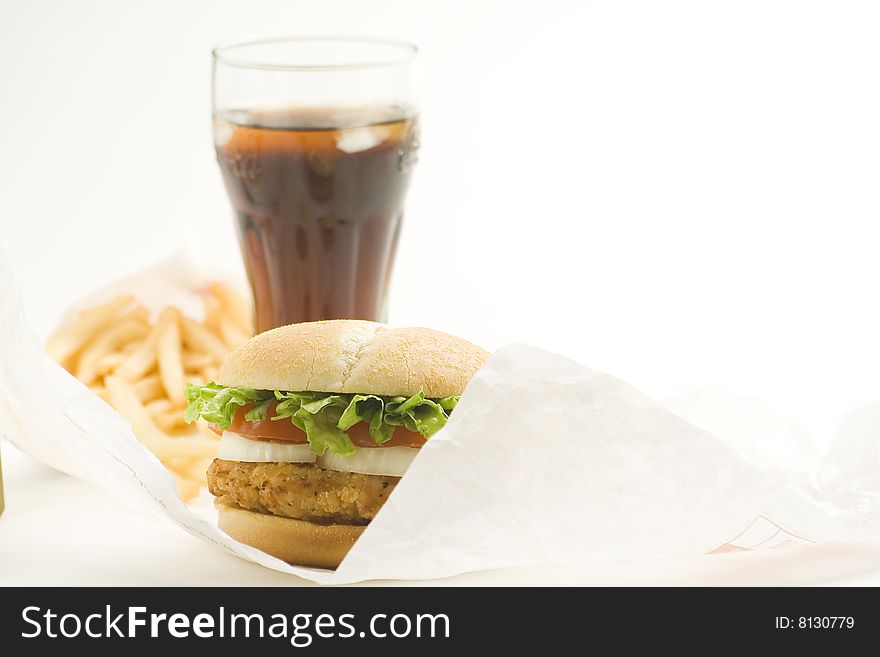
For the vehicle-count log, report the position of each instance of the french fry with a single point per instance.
(231, 332)
(107, 363)
(171, 420)
(235, 307)
(213, 311)
(132, 347)
(127, 328)
(67, 341)
(145, 358)
(211, 373)
(196, 362)
(124, 399)
(148, 388)
(195, 446)
(170, 359)
(197, 338)
(157, 406)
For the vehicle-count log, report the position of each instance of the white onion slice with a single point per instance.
(235, 447)
(389, 461)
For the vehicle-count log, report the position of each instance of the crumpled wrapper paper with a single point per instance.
(543, 461)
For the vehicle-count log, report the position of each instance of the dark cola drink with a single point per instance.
(318, 197)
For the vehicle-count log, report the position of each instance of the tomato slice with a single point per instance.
(286, 431)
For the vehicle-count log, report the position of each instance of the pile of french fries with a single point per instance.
(139, 363)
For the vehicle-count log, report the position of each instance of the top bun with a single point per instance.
(354, 356)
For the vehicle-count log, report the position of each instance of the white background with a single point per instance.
(679, 193)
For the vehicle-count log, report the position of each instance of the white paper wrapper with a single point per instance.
(544, 461)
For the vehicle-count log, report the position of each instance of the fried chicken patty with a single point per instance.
(300, 490)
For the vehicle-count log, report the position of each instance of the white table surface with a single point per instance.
(57, 530)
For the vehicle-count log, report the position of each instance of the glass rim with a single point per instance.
(225, 55)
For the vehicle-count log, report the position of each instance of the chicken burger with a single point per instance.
(318, 422)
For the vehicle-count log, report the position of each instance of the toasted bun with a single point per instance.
(346, 355)
(293, 541)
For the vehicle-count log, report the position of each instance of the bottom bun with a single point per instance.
(294, 541)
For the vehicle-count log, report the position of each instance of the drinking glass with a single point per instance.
(316, 139)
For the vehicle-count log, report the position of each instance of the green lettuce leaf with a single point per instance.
(369, 409)
(216, 403)
(324, 417)
(320, 422)
(259, 412)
